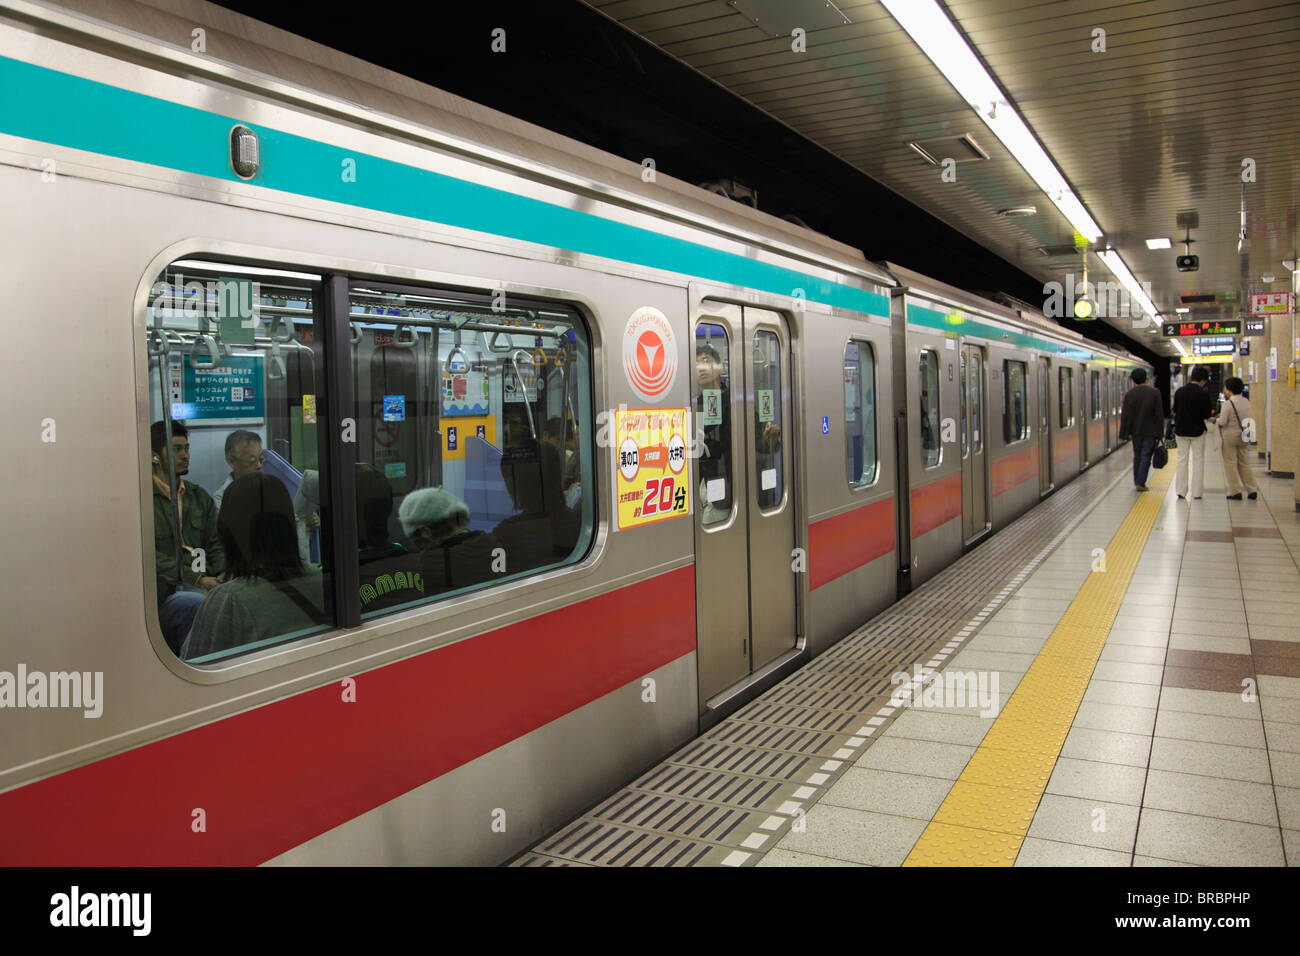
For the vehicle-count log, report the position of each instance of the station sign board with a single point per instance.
(1213, 345)
(1230, 327)
(1256, 327)
(1270, 303)
(1205, 360)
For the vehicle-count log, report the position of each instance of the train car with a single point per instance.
(418, 476)
(1003, 404)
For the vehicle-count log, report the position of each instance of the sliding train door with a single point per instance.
(974, 459)
(1044, 426)
(745, 523)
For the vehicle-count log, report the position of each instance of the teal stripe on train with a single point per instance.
(41, 104)
(959, 323)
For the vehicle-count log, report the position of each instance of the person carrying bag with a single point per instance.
(1232, 427)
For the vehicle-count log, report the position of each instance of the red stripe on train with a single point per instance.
(935, 503)
(1014, 469)
(272, 778)
(839, 544)
(1066, 444)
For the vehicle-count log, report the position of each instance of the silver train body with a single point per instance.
(459, 731)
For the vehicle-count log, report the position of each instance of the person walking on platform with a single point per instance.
(1193, 405)
(1143, 419)
(1232, 426)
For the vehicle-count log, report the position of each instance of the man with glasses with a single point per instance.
(243, 455)
(181, 589)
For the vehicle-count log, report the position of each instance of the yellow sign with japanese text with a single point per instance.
(651, 481)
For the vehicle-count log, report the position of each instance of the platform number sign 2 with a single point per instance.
(651, 479)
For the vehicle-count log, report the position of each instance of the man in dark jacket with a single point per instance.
(181, 587)
(1192, 406)
(1142, 419)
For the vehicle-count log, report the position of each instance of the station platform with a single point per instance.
(1113, 680)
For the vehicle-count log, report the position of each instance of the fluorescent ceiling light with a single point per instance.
(1158, 244)
(1179, 345)
(1182, 311)
(1126, 279)
(231, 269)
(938, 39)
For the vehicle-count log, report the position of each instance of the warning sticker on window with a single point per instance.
(651, 480)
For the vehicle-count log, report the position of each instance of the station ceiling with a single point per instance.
(1155, 124)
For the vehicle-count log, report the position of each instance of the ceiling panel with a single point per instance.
(1158, 123)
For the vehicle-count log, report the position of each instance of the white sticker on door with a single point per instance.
(769, 479)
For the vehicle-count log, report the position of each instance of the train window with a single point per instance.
(930, 434)
(769, 477)
(1096, 395)
(235, 377)
(977, 402)
(1015, 420)
(962, 387)
(860, 413)
(1066, 382)
(473, 438)
(713, 411)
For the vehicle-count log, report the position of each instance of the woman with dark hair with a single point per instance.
(1232, 426)
(269, 593)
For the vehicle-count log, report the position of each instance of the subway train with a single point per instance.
(415, 477)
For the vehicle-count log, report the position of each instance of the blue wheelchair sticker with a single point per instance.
(394, 408)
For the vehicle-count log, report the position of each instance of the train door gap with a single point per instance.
(745, 527)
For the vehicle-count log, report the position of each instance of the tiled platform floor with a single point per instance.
(1186, 747)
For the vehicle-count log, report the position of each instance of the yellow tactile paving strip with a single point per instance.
(985, 817)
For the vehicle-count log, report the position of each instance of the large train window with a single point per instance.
(235, 377)
(930, 433)
(860, 413)
(1015, 418)
(473, 462)
(1096, 395)
(1066, 382)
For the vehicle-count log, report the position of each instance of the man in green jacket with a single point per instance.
(203, 560)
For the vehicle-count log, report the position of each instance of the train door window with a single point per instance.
(713, 409)
(1096, 395)
(930, 433)
(1015, 420)
(769, 474)
(976, 402)
(474, 427)
(860, 413)
(235, 399)
(962, 387)
(1066, 382)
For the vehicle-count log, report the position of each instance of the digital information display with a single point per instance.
(1232, 327)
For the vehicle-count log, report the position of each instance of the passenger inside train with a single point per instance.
(452, 555)
(181, 588)
(243, 455)
(468, 422)
(268, 592)
(388, 572)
